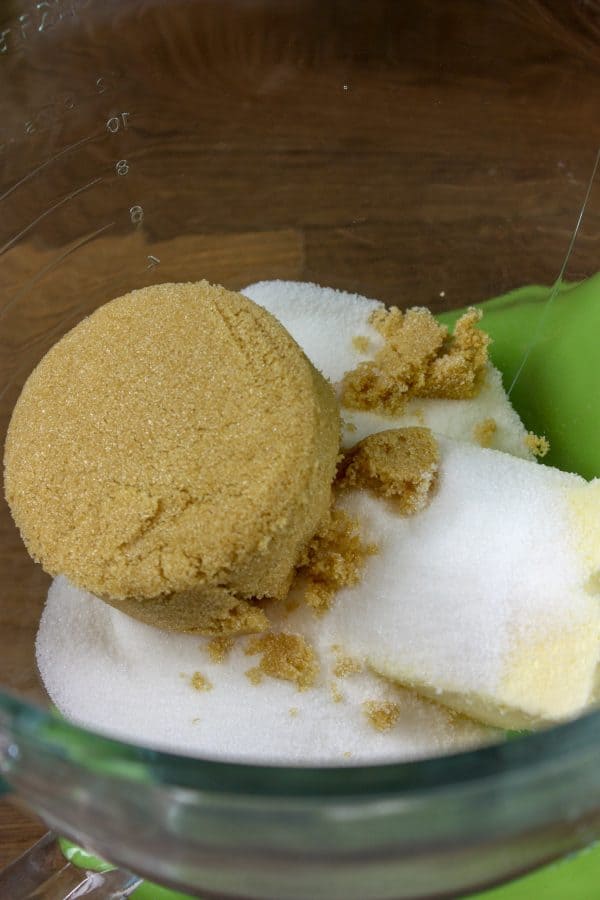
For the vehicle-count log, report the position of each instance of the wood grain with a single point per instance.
(420, 152)
(18, 831)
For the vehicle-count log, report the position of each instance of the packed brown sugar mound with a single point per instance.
(419, 358)
(174, 454)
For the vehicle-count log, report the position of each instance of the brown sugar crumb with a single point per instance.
(484, 432)
(333, 559)
(361, 343)
(346, 665)
(538, 444)
(418, 359)
(336, 694)
(382, 714)
(399, 464)
(200, 682)
(350, 427)
(218, 648)
(285, 656)
(255, 675)
(293, 711)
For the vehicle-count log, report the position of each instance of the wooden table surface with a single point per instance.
(421, 152)
(18, 831)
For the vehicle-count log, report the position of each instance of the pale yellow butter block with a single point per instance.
(489, 600)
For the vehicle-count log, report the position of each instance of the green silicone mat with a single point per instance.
(576, 878)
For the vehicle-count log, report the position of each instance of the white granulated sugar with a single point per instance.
(112, 674)
(480, 599)
(324, 322)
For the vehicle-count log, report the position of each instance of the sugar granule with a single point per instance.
(255, 675)
(200, 682)
(484, 432)
(286, 656)
(346, 665)
(336, 694)
(382, 715)
(538, 444)
(219, 647)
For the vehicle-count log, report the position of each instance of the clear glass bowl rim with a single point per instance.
(45, 731)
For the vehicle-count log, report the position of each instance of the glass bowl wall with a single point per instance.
(421, 153)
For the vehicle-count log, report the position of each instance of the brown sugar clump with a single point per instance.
(333, 559)
(336, 694)
(200, 682)
(419, 358)
(346, 665)
(538, 444)
(399, 464)
(382, 714)
(174, 454)
(484, 432)
(285, 656)
(219, 647)
(457, 373)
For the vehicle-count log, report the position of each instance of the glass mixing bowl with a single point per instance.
(418, 152)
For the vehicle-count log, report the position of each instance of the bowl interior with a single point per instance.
(420, 153)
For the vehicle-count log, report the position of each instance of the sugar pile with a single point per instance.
(326, 322)
(121, 677)
(118, 676)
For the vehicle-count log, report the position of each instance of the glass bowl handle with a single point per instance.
(44, 873)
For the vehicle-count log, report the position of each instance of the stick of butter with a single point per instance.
(487, 601)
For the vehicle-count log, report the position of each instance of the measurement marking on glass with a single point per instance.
(136, 214)
(122, 167)
(42, 16)
(152, 261)
(47, 212)
(116, 123)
